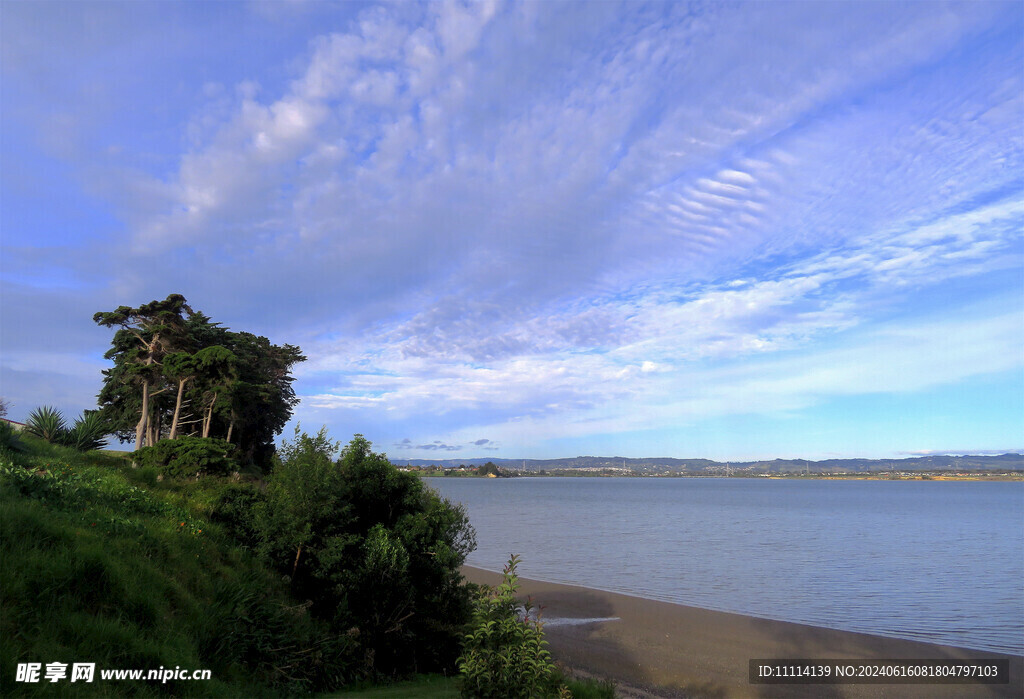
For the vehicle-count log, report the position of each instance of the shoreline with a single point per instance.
(923, 477)
(663, 649)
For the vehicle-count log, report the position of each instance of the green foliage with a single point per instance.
(88, 433)
(189, 457)
(504, 654)
(9, 440)
(291, 649)
(234, 510)
(100, 570)
(422, 687)
(304, 494)
(177, 372)
(488, 469)
(374, 551)
(62, 487)
(587, 688)
(46, 423)
(440, 687)
(108, 565)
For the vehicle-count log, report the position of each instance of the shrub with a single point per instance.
(88, 433)
(47, 423)
(376, 552)
(504, 654)
(234, 510)
(98, 570)
(188, 457)
(9, 438)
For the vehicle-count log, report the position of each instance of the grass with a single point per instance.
(440, 687)
(102, 563)
(98, 568)
(590, 688)
(425, 686)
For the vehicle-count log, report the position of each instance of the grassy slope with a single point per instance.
(98, 568)
(100, 563)
(438, 687)
(423, 687)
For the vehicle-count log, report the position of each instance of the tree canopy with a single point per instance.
(177, 373)
(375, 551)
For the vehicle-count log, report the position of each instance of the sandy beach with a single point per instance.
(661, 649)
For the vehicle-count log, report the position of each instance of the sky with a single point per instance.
(537, 230)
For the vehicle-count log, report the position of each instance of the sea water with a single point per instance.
(934, 561)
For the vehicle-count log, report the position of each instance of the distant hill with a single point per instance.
(1002, 462)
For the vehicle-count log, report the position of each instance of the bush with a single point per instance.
(9, 439)
(234, 509)
(504, 654)
(189, 457)
(98, 570)
(47, 423)
(376, 552)
(88, 433)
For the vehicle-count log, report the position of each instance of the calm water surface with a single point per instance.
(936, 561)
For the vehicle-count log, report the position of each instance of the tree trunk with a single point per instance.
(231, 428)
(295, 566)
(140, 429)
(177, 408)
(209, 417)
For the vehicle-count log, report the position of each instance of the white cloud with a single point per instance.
(537, 210)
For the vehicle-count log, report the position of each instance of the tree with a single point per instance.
(488, 469)
(376, 552)
(146, 335)
(176, 372)
(180, 367)
(260, 401)
(304, 500)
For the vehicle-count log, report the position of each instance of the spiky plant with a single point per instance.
(46, 422)
(89, 432)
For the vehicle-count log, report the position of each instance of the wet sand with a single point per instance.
(669, 650)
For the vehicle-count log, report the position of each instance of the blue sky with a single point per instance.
(534, 230)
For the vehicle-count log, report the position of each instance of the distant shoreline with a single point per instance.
(662, 649)
(1008, 466)
(929, 476)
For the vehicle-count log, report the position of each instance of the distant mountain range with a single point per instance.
(1003, 462)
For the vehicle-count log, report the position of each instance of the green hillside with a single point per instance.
(103, 563)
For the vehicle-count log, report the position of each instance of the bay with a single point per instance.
(935, 561)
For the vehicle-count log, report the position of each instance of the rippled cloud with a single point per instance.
(527, 220)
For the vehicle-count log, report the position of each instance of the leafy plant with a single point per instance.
(88, 433)
(188, 457)
(47, 423)
(233, 509)
(375, 551)
(504, 654)
(9, 438)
